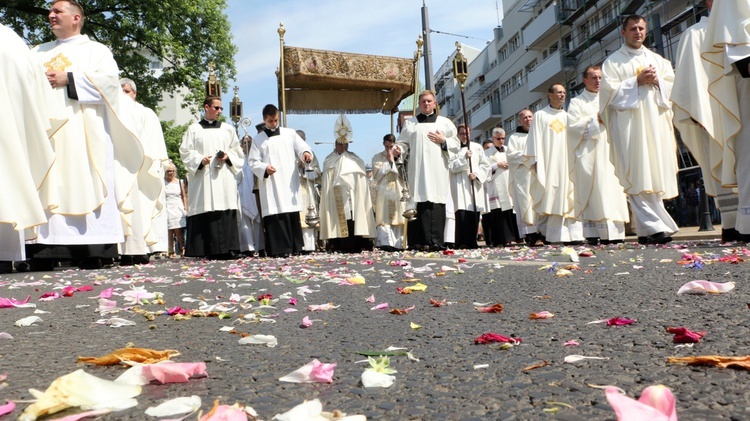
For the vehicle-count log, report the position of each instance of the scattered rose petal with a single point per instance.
(312, 372)
(683, 335)
(436, 303)
(701, 287)
(306, 322)
(619, 321)
(293, 301)
(173, 372)
(495, 308)
(494, 337)
(28, 321)
(571, 343)
(176, 406)
(5, 335)
(380, 306)
(370, 299)
(82, 415)
(541, 315)
(714, 360)
(355, 280)
(657, 403)
(131, 355)
(12, 302)
(80, 389)
(322, 307)
(267, 340)
(7, 408)
(414, 326)
(313, 410)
(227, 413)
(115, 322)
(400, 311)
(535, 366)
(49, 296)
(576, 358)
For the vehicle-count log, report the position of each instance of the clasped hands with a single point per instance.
(648, 76)
(56, 78)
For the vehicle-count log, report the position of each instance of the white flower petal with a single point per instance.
(372, 378)
(576, 358)
(28, 321)
(175, 406)
(267, 340)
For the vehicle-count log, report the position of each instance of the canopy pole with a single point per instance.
(282, 94)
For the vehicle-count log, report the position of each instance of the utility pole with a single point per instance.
(427, 48)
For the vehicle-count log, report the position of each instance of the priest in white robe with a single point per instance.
(147, 231)
(212, 156)
(97, 157)
(25, 135)
(273, 157)
(726, 51)
(388, 207)
(634, 105)
(502, 221)
(469, 170)
(346, 217)
(600, 201)
(251, 229)
(427, 141)
(309, 174)
(519, 178)
(551, 187)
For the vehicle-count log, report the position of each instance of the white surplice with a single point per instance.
(461, 186)
(496, 186)
(600, 200)
(519, 180)
(279, 193)
(639, 125)
(213, 187)
(728, 41)
(428, 161)
(97, 156)
(345, 194)
(251, 229)
(695, 120)
(551, 187)
(24, 139)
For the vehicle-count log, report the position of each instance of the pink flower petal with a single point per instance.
(293, 301)
(12, 302)
(82, 415)
(370, 299)
(173, 372)
(494, 337)
(700, 287)
(107, 293)
(683, 335)
(7, 408)
(312, 372)
(49, 296)
(571, 343)
(68, 291)
(380, 306)
(225, 413)
(306, 322)
(655, 404)
(84, 288)
(619, 321)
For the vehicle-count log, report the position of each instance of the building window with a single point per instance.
(509, 124)
(514, 43)
(505, 89)
(536, 106)
(503, 54)
(531, 66)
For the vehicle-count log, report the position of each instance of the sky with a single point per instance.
(386, 27)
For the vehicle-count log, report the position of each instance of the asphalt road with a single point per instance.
(454, 379)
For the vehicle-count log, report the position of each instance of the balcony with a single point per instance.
(551, 70)
(545, 24)
(486, 116)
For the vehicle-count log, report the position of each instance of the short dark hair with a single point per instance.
(632, 18)
(389, 138)
(74, 4)
(551, 88)
(588, 69)
(210, 99)
(270, 110)
(486, 141)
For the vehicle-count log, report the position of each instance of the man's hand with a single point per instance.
(502, 164)
(307, 157)
(207, 159)
(57, 79)
(436, 137)
(396, 151)
(270, 170)
(468, 153)
(472, 176)
(648, 76)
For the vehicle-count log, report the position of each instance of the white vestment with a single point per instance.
(279, 193)
(600, 200)
(496, 187)
(551, 187)
(727, 41)
(695, 120)
(147, 231)
(98, 158)
(428, 161)
(24, 139)
(212, 187)
(345, 195)
(251, 230)
(461, 186)
(639, 126)
(388, 206)
(519, 178)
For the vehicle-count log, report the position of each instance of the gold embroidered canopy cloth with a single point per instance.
(330, 82)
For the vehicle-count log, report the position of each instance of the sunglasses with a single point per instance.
(217, 108)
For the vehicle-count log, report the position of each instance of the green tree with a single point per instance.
(184, 34)
(173, 137)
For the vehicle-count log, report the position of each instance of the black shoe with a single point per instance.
(141, 259)
(659, 238)
(573, 243)
(42, 265)
(592, 241)
(730, 234)
(90, 263)
(6, 266)
(126, 260)
(22, 266)
(642, 240)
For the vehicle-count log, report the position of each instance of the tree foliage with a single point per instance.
(173, 138)
(184, 34)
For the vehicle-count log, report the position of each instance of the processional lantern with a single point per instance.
(235, 107)
(213, 85)
(460, 67)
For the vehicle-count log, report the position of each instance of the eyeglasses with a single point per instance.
(217, 108)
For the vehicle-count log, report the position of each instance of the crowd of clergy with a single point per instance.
(91, 182)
